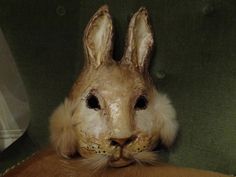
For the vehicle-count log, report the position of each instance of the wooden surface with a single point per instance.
(47, 164)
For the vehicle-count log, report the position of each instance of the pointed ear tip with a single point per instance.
(104, 8)
(143, 10)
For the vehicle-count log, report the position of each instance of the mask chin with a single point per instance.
(122, 162)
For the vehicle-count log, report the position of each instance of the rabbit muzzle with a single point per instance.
(119, 152)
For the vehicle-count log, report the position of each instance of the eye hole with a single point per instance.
(141, 103)
(92, 102)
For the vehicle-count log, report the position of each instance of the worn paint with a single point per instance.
(114, 129)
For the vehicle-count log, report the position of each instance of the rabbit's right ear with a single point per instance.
(98, 37)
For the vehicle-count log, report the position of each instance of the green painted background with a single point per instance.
(195, 46)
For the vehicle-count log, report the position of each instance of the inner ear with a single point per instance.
(142, 39)
(139, 41)
(98, 37)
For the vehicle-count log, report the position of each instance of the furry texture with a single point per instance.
(126, 116)
(63, 137)
(146, 157)
(95, 163)
(98, 163)
(165, 112)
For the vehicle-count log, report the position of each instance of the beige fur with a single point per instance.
(115, 132)
(62, 133)
(166, 113)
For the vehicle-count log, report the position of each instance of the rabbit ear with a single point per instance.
(139, 40)
(98, 37)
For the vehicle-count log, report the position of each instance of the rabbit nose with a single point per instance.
(122, 141)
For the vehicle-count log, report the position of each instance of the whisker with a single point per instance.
(95, 163)
(146, 157)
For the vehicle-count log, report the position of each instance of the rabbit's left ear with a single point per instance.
(139, 41)
(98, 37)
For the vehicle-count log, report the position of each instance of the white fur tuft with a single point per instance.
(166, 116)
(63, 137)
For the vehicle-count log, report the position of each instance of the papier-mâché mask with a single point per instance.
(114, 115)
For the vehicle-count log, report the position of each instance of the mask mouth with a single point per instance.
(145, 157)
(99, 162)
(121, 162)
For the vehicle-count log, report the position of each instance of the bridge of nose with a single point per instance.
(121, 119)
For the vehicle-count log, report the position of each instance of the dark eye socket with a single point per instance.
(92, 102)
(141, 103)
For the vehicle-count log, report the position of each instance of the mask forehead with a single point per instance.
(116, 79)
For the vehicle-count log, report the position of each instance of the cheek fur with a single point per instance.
(63, 136)
(166, 118)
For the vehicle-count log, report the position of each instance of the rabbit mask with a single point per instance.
(114, 115)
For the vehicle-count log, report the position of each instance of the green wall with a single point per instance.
(195, 46)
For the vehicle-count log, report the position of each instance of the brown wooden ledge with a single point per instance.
(46, 163)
